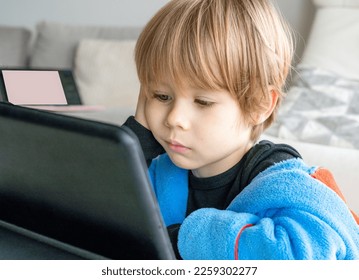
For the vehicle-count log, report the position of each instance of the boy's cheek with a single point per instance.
(153, 115)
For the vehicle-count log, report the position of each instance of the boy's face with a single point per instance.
(203, 131)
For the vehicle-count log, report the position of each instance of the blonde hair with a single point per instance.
(242, 46)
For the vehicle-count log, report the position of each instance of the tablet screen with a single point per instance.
(30, 87)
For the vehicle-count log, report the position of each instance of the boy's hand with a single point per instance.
(140, 110)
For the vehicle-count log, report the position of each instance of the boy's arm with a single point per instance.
(283, 214)
(150, 147)
(138, 124)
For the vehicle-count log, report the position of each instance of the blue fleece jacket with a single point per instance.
(284, 213)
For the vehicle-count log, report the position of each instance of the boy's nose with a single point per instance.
(178, 116)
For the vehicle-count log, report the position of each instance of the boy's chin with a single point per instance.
(182, 162)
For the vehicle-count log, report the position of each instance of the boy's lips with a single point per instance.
(177, 147)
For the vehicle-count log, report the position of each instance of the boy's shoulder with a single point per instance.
(266, 149)
(264, 155)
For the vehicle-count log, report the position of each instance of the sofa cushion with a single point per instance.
(333, 44)
(14, 42)
(56, 43)
(105, 73)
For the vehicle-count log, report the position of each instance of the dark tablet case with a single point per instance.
(72, 188)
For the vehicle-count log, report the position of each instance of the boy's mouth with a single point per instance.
(177, 147)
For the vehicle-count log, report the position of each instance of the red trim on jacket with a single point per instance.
(326, 177)
(237, 240)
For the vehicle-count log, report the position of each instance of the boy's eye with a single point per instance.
(204, 103)
(162, 97)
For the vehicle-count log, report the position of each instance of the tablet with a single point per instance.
(38, 87)
(75, 188)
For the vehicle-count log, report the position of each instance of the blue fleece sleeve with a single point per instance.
(223, 234)
(171, 200)
(211, 234)
(283, 214)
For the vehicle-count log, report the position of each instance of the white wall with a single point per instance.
(125, 13)
(300, 14)
(105, 12)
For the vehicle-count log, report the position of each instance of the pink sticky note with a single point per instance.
(33, 87)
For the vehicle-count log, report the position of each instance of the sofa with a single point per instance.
(101, 58)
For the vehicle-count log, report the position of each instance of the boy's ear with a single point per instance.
(269, 107)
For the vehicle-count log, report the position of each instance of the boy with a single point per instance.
(211, 74)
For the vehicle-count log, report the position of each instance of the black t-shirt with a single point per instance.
(217, 191)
